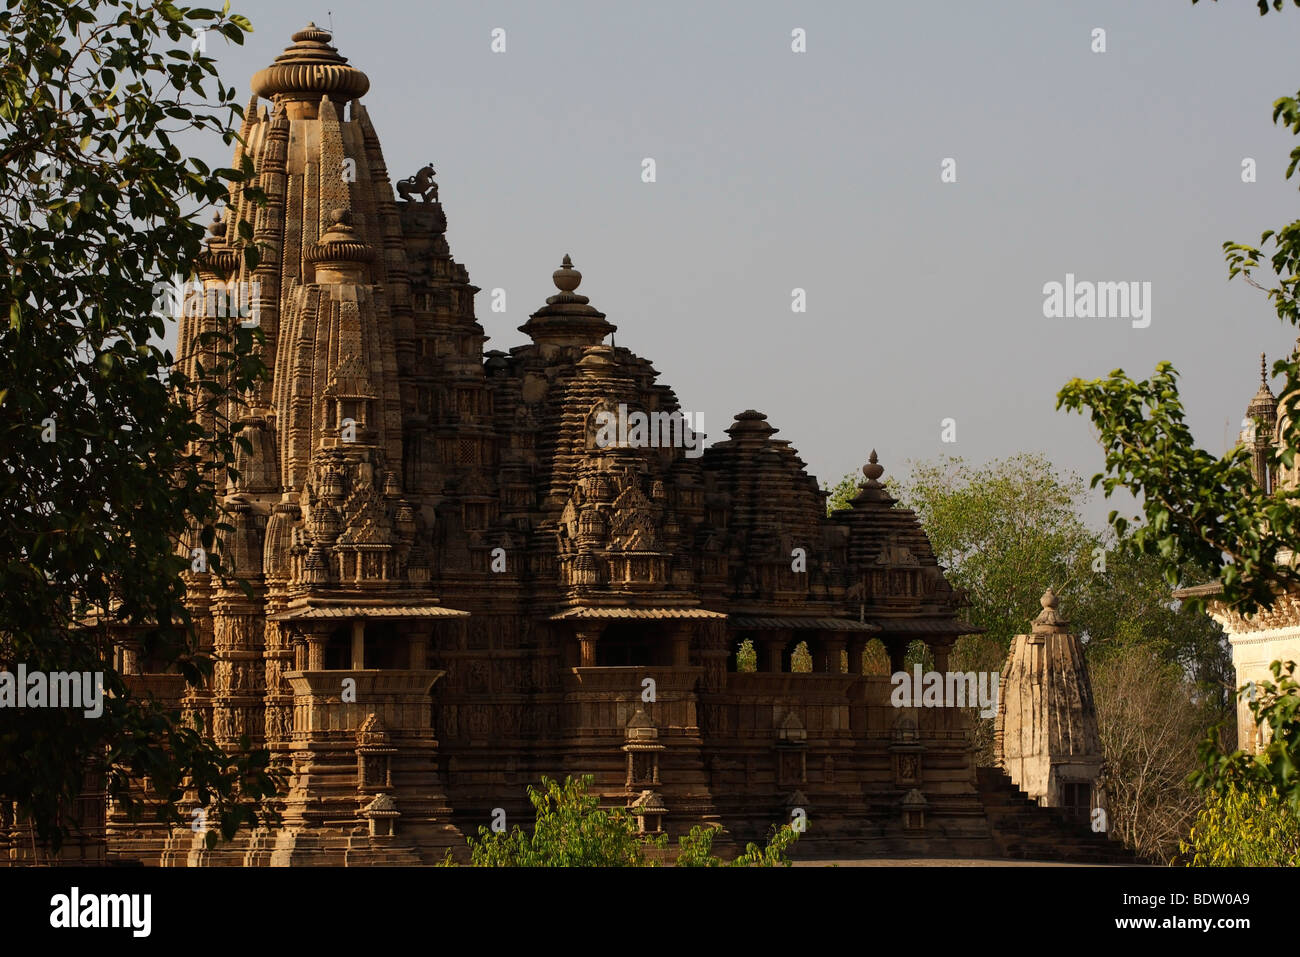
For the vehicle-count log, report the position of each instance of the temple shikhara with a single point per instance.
(458, 589)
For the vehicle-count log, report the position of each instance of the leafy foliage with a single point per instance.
(696, 849)
(1252, 800)
(774, 854)
(571, 829)
(1209, 512)
(841, 494)
(1205, 510)
(1243, 827)
(1201, 510)
(801, 659)
(1275, 765)
(112, 453)
(1263, 4)
(746, 656)
(1004, 531)
(1162, 672)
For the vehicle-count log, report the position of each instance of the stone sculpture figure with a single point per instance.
(421, 184)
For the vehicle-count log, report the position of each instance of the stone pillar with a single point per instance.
(829, 651)
(856, 646)
(773, 646)
(587, 638)
(315, 650)
(897, 648)
(681, 636)
(941, 650)
(419, 645)
(359, 644)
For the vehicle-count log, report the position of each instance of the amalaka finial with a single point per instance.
(311, 33)
(566, 278)
(873, 469)
(309, 69)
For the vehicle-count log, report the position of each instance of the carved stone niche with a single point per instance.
(649, 811)
(374, 756)
(791, 752)
(913, 806)
(382, 814)
(905, 750)
(642, 750)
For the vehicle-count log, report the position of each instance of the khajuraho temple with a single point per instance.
(457, 588)
(1046, 736)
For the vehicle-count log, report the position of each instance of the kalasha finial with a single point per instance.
(340, 216)
(1049, 600)
(216, 228)
(873, 469)
(311, 32)
(566, 278)
(1263, 373)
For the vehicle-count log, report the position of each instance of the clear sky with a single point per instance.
(821, 170)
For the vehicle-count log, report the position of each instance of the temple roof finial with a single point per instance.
(310, 68)
(566, 278)
(1264, 403)
(873, 470)
(568, 316)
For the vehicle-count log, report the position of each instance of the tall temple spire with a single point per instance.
(1261, 423)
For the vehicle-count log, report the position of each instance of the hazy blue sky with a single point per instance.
(821, 170)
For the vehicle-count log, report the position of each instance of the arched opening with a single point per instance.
(745, 659)
(875, 658)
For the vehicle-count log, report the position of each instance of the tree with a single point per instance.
(1149, 728)
(1209, 512)
(1263, 5)
(1004, 531)
(1204, 510)
(1243, 828)
(1275, 766)
(841, 495)
(746, 656)
(107, 464)
(571, 829)
(1127, 604)
(1252, 800)
(696, 849)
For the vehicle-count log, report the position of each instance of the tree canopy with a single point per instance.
(108, 462)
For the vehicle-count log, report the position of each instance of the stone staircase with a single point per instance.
(1023, 830)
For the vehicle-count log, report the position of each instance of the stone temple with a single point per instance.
(459, 587)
